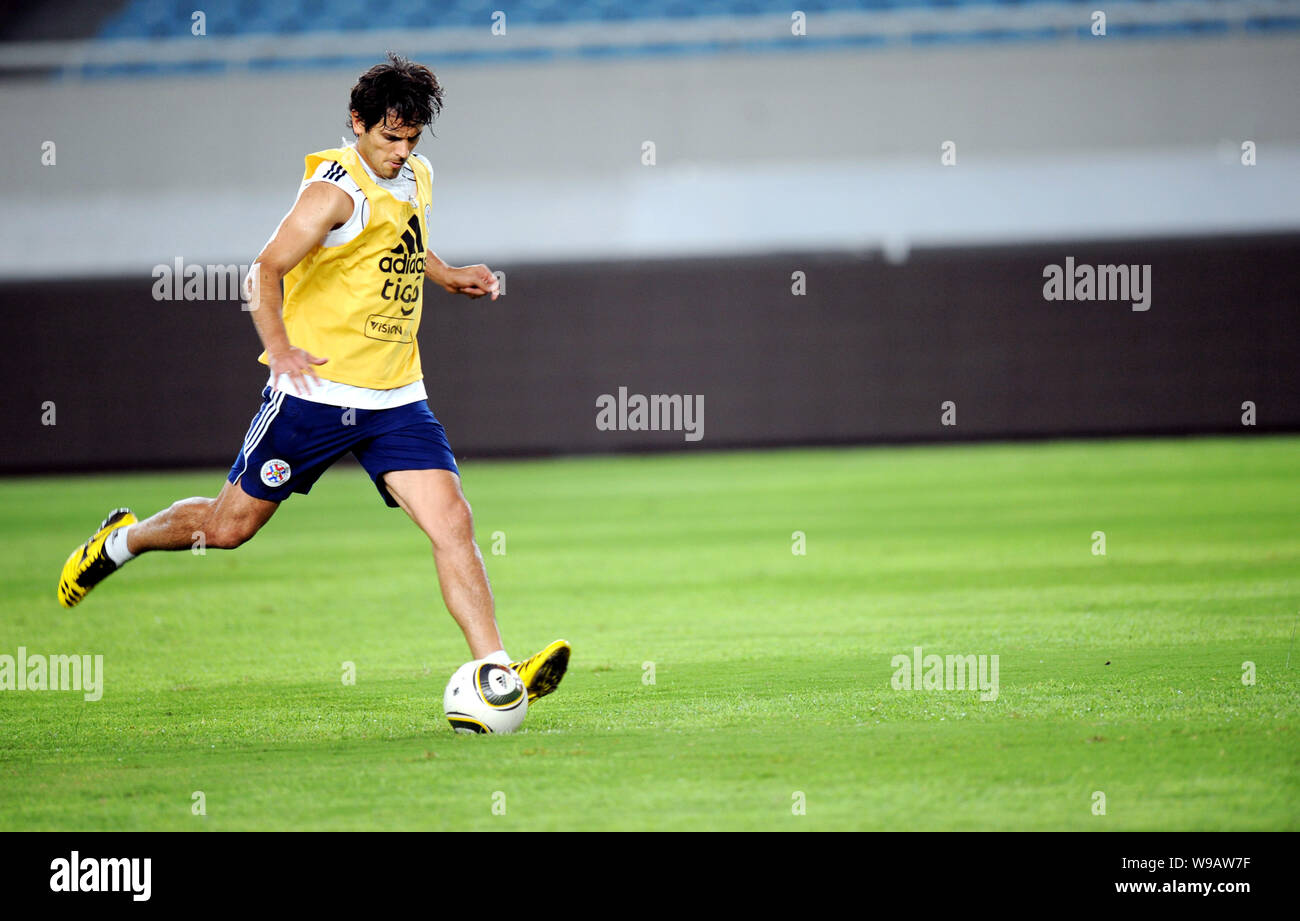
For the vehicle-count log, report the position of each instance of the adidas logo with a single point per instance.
(412, 239)
(408, 261)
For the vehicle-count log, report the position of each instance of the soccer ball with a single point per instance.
(485, 697)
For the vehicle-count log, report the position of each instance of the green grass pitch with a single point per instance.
(1120, 674)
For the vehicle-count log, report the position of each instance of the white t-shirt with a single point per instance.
(403, 189)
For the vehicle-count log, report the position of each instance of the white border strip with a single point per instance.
(716, 209)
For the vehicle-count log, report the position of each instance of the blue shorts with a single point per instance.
(292, 441)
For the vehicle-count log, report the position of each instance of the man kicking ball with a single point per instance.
(345, 368)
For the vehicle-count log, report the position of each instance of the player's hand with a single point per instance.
(296, 363)
(472, 281)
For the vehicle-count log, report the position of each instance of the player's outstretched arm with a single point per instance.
(320, 208)
(470, 280)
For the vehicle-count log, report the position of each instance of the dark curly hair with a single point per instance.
(400, 89)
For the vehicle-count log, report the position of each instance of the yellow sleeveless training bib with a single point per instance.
(359, 304)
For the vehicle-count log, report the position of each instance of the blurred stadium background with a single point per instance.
(775, 153)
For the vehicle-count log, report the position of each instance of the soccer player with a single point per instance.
(345, 367)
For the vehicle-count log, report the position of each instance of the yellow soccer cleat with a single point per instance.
(89, 564)
(542, 673)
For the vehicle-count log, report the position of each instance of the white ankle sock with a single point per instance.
(115, 546)
(499, 657)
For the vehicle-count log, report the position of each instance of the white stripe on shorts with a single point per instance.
(257, 430)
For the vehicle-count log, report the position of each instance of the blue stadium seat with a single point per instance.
(164, 19)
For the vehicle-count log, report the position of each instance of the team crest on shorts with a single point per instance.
(275, 472)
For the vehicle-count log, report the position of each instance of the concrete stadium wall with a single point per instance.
(755, 153)
(868, 354)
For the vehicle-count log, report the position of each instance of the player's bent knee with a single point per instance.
(227, 535)
(452, 526)
(223, 539)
